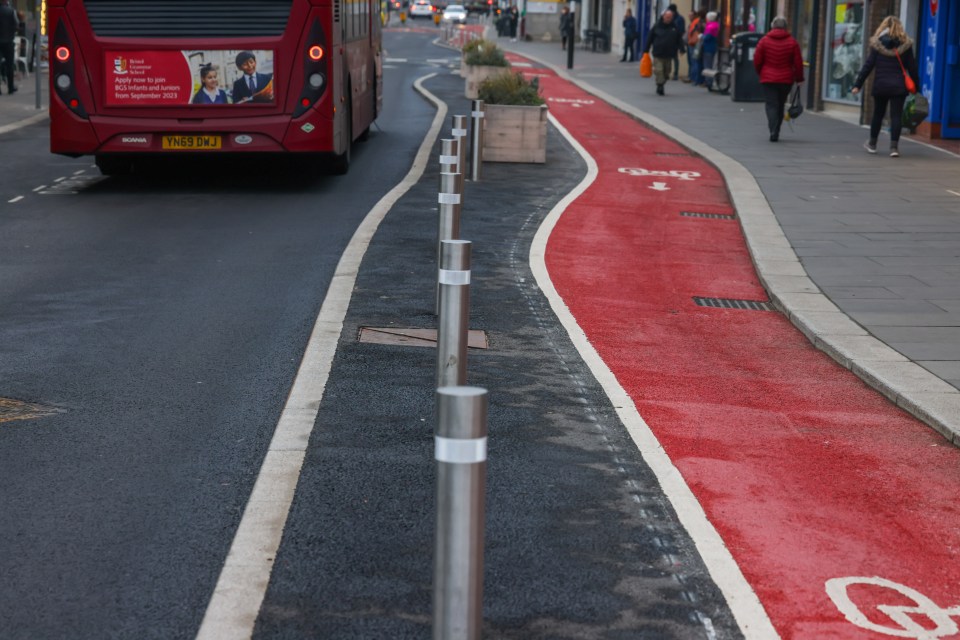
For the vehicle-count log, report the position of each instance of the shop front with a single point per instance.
(846, 33)
(939, 61)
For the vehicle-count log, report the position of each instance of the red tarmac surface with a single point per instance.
(807, 474)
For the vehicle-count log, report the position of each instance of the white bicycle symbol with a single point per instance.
(904, 616)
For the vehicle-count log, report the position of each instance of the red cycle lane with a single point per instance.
(840, 509)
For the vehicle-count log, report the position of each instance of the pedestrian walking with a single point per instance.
(514, 22)
(694, 32)
(892, 59)
(681, 26)
(629, 36)
(9, 26)
(779, 64)
(566, 28)
(664, 42)
(709, 45)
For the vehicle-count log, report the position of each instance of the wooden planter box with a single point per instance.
(477, 74)
(514, 134)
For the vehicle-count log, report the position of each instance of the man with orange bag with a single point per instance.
(666, 42)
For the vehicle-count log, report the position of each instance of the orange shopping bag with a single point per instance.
(646, 66)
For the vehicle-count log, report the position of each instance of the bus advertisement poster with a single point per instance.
(195, 77)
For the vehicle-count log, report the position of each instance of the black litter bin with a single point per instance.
(745, 83)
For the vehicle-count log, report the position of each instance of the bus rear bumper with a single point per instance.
(109, 135)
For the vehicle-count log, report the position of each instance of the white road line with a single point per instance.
(76, 173)
(7, 128)
(743, 601)
(956, 193)
(238, 595)
(17, 199)
(61, 179)
(40, 188)
(395, 60)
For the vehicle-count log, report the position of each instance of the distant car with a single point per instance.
(455, 13)
(421, 9)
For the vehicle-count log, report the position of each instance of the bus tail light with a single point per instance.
(314, 70)
(63, 71)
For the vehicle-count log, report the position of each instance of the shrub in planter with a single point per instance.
(515, 119)
(481, 63)
(511, 88)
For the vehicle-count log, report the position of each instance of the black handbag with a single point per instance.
(796, 105)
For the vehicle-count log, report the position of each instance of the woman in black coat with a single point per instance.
(890, 47)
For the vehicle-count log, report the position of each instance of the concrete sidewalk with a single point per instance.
(861, 251)
(20, 109)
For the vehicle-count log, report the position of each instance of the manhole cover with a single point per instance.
(11, 409)
(415, 337)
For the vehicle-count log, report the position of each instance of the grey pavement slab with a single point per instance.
(832, 202)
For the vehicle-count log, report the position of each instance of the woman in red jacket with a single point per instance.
(779, 64)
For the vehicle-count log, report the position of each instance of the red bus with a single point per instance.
(130, 78)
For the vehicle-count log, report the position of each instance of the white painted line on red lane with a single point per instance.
(238, 595)
(743, 602)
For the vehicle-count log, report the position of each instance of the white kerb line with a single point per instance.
(742, 600)
(238, 595)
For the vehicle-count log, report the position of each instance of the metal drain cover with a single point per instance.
(11, 410)
(717, 216)
(476, 339)
(728, 303)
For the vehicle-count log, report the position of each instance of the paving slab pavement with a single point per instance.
(20, 109)
(860, 251)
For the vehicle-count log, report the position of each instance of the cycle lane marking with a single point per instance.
(881, 415)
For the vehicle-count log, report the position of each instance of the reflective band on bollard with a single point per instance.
(460, 133)
(476, 140)
(449, 156)
(453, 312)
(461, 453)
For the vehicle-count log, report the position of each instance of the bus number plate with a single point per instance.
(191, 143)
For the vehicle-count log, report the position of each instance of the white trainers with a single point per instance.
(894, 152)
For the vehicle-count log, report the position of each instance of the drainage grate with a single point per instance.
(11, 410)
(415, 337)
(727, 303)
(716, 216)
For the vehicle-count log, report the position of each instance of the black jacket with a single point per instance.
(888, 79)
(9, 23)
(665, 40)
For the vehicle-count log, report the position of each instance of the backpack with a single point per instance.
(693, 34)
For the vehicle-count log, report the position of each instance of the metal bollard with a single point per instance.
(449, 157)
(461, 452)
(453, 312)
(460, 132)
(476, 140)
(448, 223)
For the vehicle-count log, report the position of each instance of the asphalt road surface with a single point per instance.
(163, 316)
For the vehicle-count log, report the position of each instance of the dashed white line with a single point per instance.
(40, 188)
(956, 193)
(60, 179)
(76, 173)
(17, 199)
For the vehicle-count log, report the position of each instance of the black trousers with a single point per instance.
(6, 52)
(629, 47)
(896, 116)
(775, 96)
